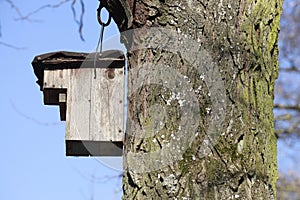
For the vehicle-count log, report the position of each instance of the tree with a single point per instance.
(240, 38)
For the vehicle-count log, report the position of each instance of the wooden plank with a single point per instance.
(63, 63)
(56, 78)
(107, 105)
(48, 79)
(55, 87)
(78, 104)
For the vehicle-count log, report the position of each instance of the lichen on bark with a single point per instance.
(241, 38)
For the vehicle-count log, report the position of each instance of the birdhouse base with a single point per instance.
(93, 148)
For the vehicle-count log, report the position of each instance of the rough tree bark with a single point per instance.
(241, 38)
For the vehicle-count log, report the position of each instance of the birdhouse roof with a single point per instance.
(75, 60)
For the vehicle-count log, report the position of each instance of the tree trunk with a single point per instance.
(200, 90)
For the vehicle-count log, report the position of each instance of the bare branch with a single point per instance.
(80, 21)
(28, 16)
(0, 30)
(14, 7)
(283, 117)
(289, 69)
(95, 179)
(47, 6)
(293, 128)
(31, 118)
(287, 107)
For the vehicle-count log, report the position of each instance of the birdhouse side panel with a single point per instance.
(59, 78)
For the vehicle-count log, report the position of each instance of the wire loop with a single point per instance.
(100, 41)
(99, 16)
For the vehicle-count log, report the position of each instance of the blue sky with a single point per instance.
(33, 161)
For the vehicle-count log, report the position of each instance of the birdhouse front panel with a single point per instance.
(95, 108)
(90, 96)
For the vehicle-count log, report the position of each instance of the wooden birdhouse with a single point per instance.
(89, 91)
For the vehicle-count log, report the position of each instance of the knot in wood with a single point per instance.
(110, 73)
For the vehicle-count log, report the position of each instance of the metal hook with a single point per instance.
(99, 16)
(100, 41)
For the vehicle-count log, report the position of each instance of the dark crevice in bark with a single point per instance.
(228, 93)
(159, 143)
(240, 138)
(214, 149)
(240, 182)
(130, 181)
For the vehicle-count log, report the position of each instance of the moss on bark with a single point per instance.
(241, 37)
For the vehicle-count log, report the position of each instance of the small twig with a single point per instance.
(95, 179)
(31, 118)
(287, 107)
(283, 117)
(14, 7)
(26, 17)
(293, 129)
(80, 21)
(11, 46)
(0, 30)
(289, 69)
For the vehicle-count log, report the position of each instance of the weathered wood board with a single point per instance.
(91, 100)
